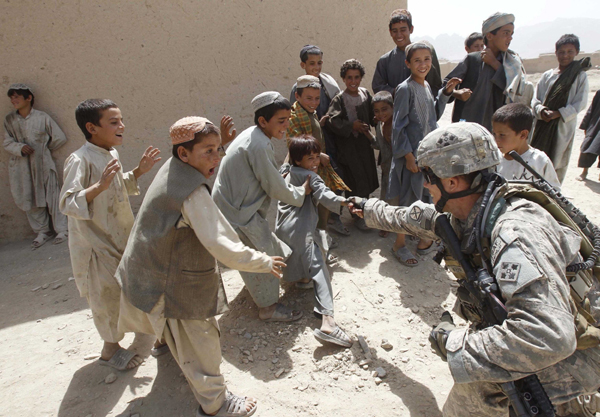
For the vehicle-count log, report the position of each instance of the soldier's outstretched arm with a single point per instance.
(418, 219)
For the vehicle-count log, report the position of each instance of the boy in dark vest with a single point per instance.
(171, 283)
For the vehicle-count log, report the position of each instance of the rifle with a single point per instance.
(526, 395)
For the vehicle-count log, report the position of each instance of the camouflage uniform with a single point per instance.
(529, 255)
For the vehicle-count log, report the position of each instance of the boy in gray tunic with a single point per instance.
(297, 227)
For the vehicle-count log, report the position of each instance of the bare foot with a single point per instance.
(328, 324)
(583, 175)
(233, 400)
(109, 349)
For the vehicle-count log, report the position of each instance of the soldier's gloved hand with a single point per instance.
(439, 335)
(358, 202)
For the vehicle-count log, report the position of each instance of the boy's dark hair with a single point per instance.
(269, 111)
(493, 32)
(410, 49)
(400, 15)
(383, 97)
(209, 129)
(472, 38)
(517, 116)
(23, 93)
(90, 111)
(302, 145)
(309, 50)
(568, 39)
(352, 64)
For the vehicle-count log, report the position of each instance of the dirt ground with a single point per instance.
(50, 345)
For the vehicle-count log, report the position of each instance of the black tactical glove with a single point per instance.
(439, 335)
(358, 202)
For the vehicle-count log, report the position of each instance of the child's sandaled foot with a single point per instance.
(337, 336)
(234, 406)
(383, 233)
(40, 239)
(61, 238)
(405, 257)
(338, 226)
(331, 259)
(122, 360)
(431, 248)
(159, 349)
(282, 313)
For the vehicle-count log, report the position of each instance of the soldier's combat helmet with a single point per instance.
(458, 149)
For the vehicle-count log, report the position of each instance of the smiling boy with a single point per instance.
(172, 286)
(247, 180)
(391, 70)
(557, 113)
(490, 78)
(95, 199)
(30, 137)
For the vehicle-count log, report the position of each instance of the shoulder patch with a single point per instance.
(416, 213)
(497, 248)
(509, 271)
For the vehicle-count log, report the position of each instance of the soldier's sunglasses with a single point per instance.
(430, 177)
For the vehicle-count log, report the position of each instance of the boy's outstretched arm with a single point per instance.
(149, 158)
(418, 219)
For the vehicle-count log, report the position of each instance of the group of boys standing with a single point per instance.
(158, 273)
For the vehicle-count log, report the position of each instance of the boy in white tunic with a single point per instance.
(171, 282)
(559, 96)
(95, 199)
(512, 124)
(30, 137)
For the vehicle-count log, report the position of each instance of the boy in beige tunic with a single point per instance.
(95, 199)
(30, 137)
(171, 283)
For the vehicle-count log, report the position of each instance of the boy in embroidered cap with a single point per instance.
(494, 76)
(247, 180)
(95, 198)
(30, 137)
(172, 286)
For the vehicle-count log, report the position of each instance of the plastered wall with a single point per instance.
(162, 60)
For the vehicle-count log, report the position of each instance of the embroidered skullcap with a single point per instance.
(19, 86)
(264, 99)
(306, 80)
(306, 48)
(497, 20)
(417, 45)
(401, 11)
(183, 130)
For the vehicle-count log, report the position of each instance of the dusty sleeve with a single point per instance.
(400, 141)
(538, 331)
(587, 119)
(57, 137)
(380, 78)
(217, 235)
(578, 101)
(418, 219)
(72, 201)
(324, 196)
(262, 161)
(537, 103)
(11, 144)
(338, 122)
(460, 71)
(131, 183)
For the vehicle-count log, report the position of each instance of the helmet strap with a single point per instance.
(475, 187)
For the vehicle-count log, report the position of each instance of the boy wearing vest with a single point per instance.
(171, 283)
(95, 198)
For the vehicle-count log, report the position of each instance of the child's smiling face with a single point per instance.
(313, 65)
(19, 102)
(352, 80)
(109, 133)
(309, 99)
(277, 125)
(400, 33)
(383, 111)
(310, 162)
(566, 54)
(420, 63)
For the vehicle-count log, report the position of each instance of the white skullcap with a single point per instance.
(264, 99)
(306, 80)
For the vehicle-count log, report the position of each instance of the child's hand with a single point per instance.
(325, 160)
(307, 189)
(110, 170)
(355, 210)
(277, 267)
(451, 85)
(360, 126)
(463, 94)
(411, 163)
(488, 57)
(149, 158)
(548, 115)
(228, 131)
(324, 120)
(27, 150)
